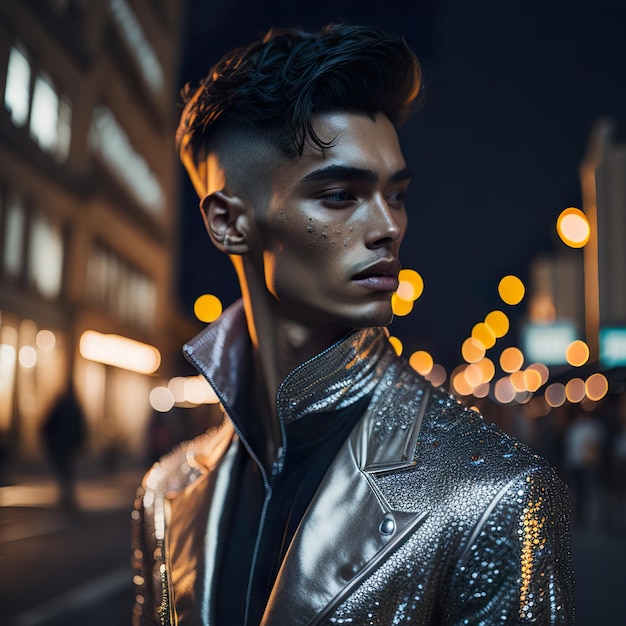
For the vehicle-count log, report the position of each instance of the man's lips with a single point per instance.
(380, 276)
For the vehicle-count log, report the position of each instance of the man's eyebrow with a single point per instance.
(403, 174)
(344, 172)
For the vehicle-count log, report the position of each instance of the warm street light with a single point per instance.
(573, 227)
(595, 153)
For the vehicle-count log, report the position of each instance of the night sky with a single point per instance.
(511, 91)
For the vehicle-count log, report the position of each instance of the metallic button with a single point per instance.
(387, 526)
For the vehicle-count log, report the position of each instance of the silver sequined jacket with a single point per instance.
(428, 515)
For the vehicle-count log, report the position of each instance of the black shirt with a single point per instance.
(312, 444)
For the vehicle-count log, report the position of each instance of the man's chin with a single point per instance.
(374, 319)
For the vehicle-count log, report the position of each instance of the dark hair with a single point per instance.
(279, 82)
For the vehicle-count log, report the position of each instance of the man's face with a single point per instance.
(328, 240)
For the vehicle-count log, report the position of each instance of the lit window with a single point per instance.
(14, 237)
(124, 291)
(44, 116)
(45, 258)
(50, 116)
(138, 44)
(17, 91)
(108, 139)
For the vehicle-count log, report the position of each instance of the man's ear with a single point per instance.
(226, 222)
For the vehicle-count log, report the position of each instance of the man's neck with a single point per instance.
(280, 344)
(280, 347)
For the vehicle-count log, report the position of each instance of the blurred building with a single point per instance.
(603, 184)
(556, 313)
(582, 294)
(88, 195)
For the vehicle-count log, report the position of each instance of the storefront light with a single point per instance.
(120, 352)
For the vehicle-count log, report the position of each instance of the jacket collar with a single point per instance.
(337, 377)
(348, 510)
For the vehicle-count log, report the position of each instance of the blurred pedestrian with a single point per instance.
(63, 435)
(161, 439)
(583, 455)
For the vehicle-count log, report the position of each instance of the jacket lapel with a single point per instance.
(349, 528)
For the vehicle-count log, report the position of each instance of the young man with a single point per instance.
(341, 487)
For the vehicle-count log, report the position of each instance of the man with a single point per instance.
(341, 487)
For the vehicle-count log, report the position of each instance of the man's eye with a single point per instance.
(398, 196)
(337, 196)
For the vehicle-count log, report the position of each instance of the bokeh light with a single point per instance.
(532, 379)
(577, 353)
(511, 359)
(473, 375)
(518, 381)
(119, 351)
(422, 362)
(460, 384)
(487, 368)
(399, 306)
(575, 390)
(472, 350)
(511, 289)
(177, 388)
(504, 391)
(46, 340)
(410, 283)
(483, 333)
(207, 308)
(481, 391)
(437, 375)
(596, 386)
(542, 370)
(397, 345)
(573, 227)
(161, 399)
(498, 323)
(27, 357)
(555, 395)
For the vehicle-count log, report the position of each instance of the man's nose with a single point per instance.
(385, 225)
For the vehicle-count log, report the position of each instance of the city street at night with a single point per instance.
(67, 568)
(117, 123)
(71, 570)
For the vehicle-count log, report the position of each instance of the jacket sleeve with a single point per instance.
(516, 566)
(144, 547)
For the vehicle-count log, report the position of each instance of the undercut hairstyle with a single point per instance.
(274, 86)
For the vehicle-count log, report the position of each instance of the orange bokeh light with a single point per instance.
(498, 323)
(511, 290)
(573, 227)
(577, 353)
(422, 362)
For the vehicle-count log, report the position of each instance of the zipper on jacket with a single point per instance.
(277, 467)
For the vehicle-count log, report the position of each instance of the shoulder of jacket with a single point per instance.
(187, 461)
(473, 446)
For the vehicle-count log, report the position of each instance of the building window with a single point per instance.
(14, 226)
(44, 114)
(50, 115)
(109, 141)
(45, 256)
(117, 286)
(17, 90)
(138, 44)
